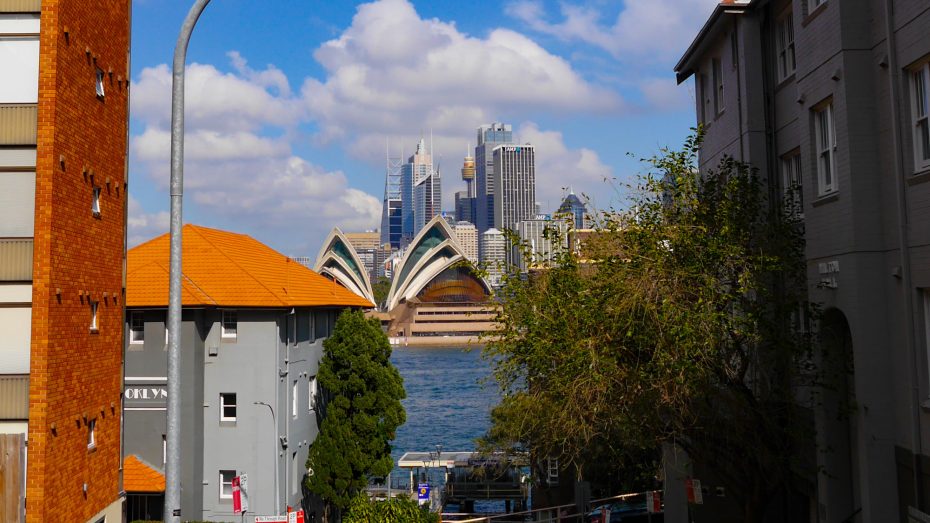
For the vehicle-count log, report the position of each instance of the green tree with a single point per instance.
(679, 326)
(394, 510)
(381, 288)
(361, 392)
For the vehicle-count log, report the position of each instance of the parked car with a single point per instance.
(626, 511)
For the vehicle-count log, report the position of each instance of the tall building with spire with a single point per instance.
(420, 192)
(489, 137)
(465, 200)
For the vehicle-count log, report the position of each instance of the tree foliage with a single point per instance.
(380, 288)
(676, 322)
(394, 510)
(361, 392)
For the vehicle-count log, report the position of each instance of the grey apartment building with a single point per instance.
(829, 100)
(253, 323)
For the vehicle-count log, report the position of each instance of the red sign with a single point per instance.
(237, 496)
(693, 487)
(653, 502)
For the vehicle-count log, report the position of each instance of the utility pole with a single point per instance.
(172, 511)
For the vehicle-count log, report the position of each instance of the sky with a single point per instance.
(293, 105)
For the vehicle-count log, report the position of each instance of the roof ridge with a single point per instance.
(221, 251)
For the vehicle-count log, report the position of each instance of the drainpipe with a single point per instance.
(907, 293)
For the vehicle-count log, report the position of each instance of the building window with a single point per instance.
(99, 83)
(226, 479)
(814, 4)
(92, 433)
(136, 328)
(791, 178)
(164, 449)
(227, 406)
(19, 60)
(95, 204)
(552, 471)
(718, 85)
(294, 401)
(920, 102)
(785, 37)
(312, 393)
(826, 149)
(296, 476)
(230, 324)
(93, 316)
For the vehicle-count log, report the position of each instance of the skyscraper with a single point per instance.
(489, 137)
(391, 219)
(514, 185)
(467, 236)
(420, 194)
(573, 208)
(493, 246)
(464, 207)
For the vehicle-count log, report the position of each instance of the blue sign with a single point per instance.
(423, 492)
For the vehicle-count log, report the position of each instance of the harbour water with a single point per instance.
(448, 402)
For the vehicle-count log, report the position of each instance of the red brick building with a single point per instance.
(64, 125)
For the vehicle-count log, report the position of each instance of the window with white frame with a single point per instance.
(227, 406)
(312, 392)
(19, 61)
(792, 184)
(294, 401)
(164, 449)
(226, 480)
(825, 134)
(920, 108)
(785, 40)
(136, 328)
(717, 72)
(230, 324)
(94, 324)
(92, 433)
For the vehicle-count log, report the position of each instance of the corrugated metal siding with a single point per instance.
(20, 6)
(14, 397)
(16, 259)
(18, 123)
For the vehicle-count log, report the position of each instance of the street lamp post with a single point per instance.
(277, 495)
(173, 459)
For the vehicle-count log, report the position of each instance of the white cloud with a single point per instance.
(392, 70)
(145, 226)
(239, 166)
(642, 28)
(559, 168)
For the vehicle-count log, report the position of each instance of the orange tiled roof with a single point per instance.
(138, 476)
(226, 269)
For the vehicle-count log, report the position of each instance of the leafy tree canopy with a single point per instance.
(675, 322)
(361, 391)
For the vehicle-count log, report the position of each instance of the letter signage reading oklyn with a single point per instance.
(148, 395)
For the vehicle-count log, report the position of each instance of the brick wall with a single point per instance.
(76, 374)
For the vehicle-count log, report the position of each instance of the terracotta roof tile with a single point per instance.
(228, 270)
(139, 476)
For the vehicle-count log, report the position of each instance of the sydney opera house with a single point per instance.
(436, 297)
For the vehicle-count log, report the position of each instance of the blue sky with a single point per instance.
(289, 103)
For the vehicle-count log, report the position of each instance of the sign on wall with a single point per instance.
(145, 395)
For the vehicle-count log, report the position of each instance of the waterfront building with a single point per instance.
(421, 192)
(467, 236)
(339, 261)
(64, 102)
(252, 327)
(489, 137)
(514, 185)
(828, 100)
(436, 296)
(493, 246)
(543, 239)
(575, 210)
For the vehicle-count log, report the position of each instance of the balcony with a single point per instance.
(15, 259)
(20, 6)
(18, 124)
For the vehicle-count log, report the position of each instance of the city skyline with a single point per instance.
(294, 144)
